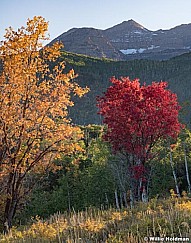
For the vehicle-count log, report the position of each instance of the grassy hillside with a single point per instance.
(160, 218)
(95, 74)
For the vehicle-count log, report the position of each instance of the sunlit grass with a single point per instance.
(159, 218)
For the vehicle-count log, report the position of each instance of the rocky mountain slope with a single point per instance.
(128, 40)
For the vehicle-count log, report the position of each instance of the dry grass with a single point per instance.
(163, 218)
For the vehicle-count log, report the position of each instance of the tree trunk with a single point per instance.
(7, 223)
(186, 166)
(12, 199)
(144, 195)
(9, 213)
(131, 199)
(106, 200)
(174, 173)
(139, 189)
(7, 220)
(69, 199)
(116, 200)
(121, 199)
(125, 199)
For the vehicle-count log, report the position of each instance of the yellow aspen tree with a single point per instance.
(34, 124)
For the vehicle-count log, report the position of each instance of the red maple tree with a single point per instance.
(138, 116)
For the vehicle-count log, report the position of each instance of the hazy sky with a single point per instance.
(65, 14)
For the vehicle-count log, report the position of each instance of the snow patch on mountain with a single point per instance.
(138, 32)
(129, 51)
(153, 47)
(137, 51)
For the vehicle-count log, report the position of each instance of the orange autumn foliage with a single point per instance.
(34, 127)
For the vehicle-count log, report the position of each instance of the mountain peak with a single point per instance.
(129, 25)
(132, 23)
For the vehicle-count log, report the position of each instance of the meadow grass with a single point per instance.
(158, 218)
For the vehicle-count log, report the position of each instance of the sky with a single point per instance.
(102, 14)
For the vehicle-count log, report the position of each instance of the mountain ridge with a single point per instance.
(128, 40)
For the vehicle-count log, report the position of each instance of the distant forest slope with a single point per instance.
(95, 74)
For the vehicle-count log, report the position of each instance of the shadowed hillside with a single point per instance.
(95, 74)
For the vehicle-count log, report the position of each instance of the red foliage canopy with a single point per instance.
(137, 116)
